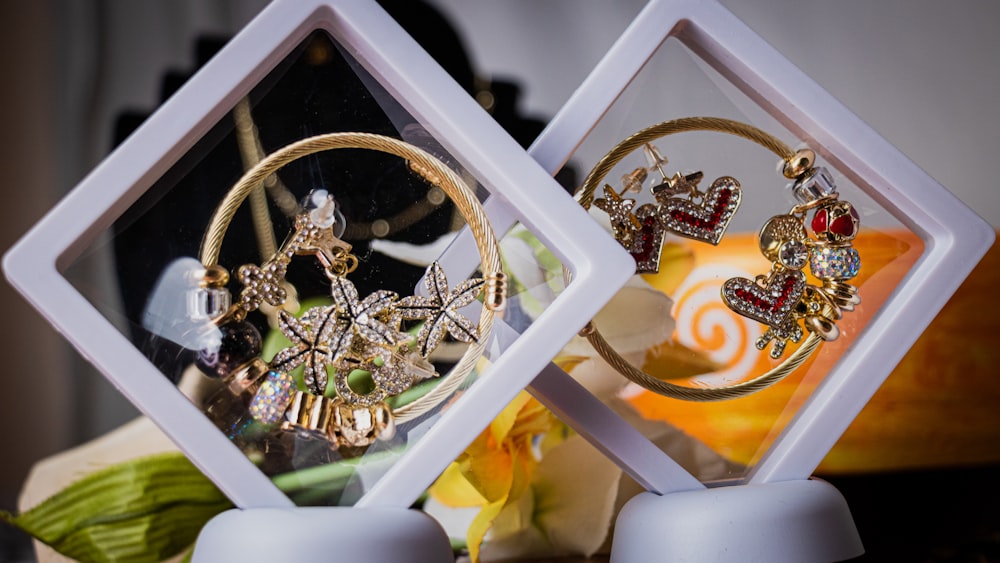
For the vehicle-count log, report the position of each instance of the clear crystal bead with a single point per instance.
(208, 303)
(817, 184)
(793, 254)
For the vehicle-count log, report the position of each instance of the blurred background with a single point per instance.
(922, 73)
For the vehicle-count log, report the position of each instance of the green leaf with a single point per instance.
(147, 509)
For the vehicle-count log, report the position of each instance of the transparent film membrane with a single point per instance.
(674, 324)
(145, 275)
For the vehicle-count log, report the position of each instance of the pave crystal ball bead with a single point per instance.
(839, 263)
(269, 404)
(240, 342)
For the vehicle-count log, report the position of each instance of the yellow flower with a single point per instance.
(496, 468)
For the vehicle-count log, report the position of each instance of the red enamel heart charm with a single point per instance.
(836, 222)
(708, 220)
(770, 305)
(647, 242)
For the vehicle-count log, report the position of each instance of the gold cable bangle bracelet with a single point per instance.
(433, 171)
(251, 152)
(796, 165)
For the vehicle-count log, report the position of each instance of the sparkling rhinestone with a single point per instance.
(269, 404)
(793, 254)
(835, 263)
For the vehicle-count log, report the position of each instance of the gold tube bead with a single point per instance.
(495, 297)
(312, 415)
(247, 377)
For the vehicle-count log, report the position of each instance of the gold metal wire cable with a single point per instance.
(434, 172)
(585, 196)
(653, 132)
(704, 394)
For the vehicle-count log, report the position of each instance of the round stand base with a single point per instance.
(317, 534)
(801, 521)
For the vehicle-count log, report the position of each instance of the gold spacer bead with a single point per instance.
(843, 295)
(823, 327)
(496, 292)
(799, 163)
(214, 276)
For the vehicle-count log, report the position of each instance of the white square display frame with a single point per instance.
(394, 59)
(955, 238)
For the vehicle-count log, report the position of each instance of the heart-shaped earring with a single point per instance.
(783, 299)
(705, 220)
(770, 300)
(647, 242)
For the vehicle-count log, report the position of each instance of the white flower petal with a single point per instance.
(636, 319)
(418, 255)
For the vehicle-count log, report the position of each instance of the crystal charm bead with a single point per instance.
(239, 342)
(816, 184)
(208, 303)
(793, 254)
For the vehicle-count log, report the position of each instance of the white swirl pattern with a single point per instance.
(700, 314)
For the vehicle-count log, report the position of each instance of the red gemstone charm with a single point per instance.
(646, 244)
(771, 305)
(707, 221)
(819, 222)
(836, 222)
(843, 226)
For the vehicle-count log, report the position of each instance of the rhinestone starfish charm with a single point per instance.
(619, 210)
(365, 318)
(440, 309)
(314, 338)
(326, 335)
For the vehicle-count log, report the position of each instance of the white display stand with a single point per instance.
(323, 534)
(802, 521)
